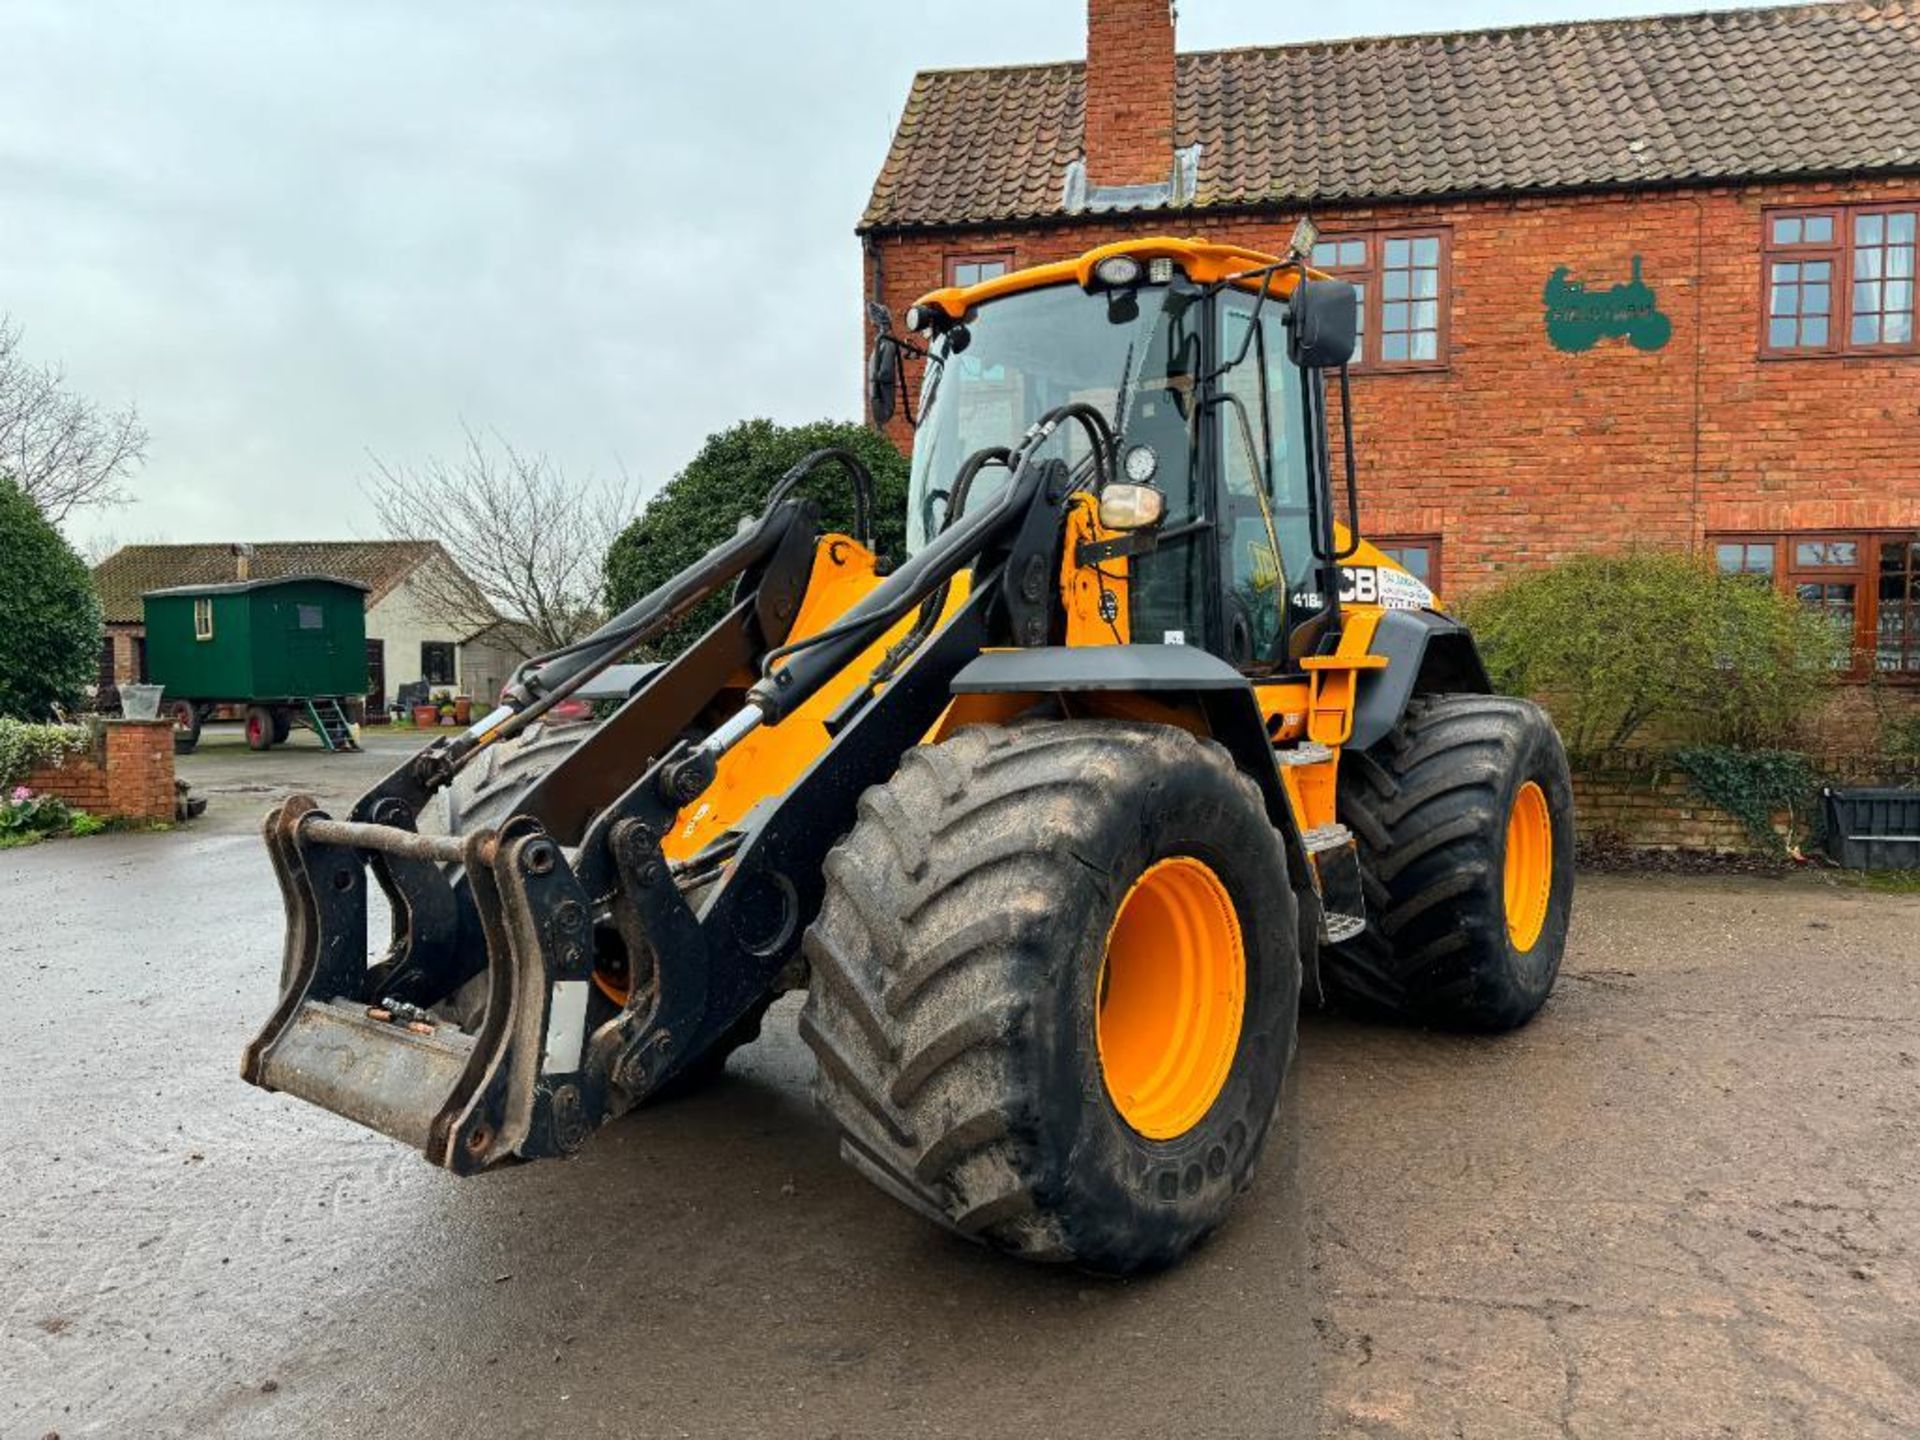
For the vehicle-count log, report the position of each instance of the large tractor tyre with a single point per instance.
(1055, 987)
(488, 786)
(259, 725)
(1464, 818)
(186, 726)
(484, 794)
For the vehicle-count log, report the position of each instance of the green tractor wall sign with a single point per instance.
(1579, 319)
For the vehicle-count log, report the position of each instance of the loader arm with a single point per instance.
(531, 911)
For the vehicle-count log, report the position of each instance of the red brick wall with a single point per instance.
(128, 773)
(1517, 453)
(1129, 120)
(126, 658)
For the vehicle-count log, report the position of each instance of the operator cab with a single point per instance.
(1208, 361)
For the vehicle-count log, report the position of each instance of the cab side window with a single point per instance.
(1169, 589)
(1265, 531)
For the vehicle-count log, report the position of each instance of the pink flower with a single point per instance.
(21, 794)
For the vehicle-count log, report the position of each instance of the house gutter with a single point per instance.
(1295, 204)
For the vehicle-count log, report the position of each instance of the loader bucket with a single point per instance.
(515, 1087)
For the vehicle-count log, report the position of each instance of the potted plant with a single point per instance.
(463, 709)
(425, 715)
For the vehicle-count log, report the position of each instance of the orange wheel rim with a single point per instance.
(1529, 870)
(615, 987)
(1172, 990)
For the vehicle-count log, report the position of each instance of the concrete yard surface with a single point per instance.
(1684, 1202)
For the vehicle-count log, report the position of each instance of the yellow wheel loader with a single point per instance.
(1054, 820)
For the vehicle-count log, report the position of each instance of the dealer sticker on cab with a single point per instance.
(1384, 586)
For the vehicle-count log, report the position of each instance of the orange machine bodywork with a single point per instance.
(1204, 262)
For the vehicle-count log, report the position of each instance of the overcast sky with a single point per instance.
(298, 231)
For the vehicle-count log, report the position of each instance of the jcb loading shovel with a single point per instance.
(1053, 824)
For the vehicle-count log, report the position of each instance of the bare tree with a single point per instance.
(97, 547)
(527, 543)
(62, 450)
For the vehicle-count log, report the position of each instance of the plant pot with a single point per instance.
(463, 709)
(426, 715)
(140, 702)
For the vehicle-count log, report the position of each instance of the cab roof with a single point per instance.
(1204, 262)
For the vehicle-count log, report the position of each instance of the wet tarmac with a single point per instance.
(1682, 1203)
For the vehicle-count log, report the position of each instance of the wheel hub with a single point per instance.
(1529, 866)
(1172, 989)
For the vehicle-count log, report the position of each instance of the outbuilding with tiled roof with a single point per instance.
(421, 611)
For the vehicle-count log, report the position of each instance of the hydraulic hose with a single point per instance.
(931, 607)
(958, 544)
(857, 473)
(664, 605)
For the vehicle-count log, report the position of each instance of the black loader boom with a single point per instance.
(578, 873)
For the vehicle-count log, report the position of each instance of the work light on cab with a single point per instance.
(1131, 507)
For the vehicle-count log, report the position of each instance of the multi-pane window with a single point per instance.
(1401, 278)
(1410, 299)
(1840, 280)
(203, 618)
(1347, 258)
(436, 662)
(1824, 576)
(1883, 247)
(1745, 557)
(1420, 558)
(1867, 584)
(964, 270)
(1896, 647)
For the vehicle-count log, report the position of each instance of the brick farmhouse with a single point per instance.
(1627, 282)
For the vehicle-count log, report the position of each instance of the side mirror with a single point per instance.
(1322, 319)
(883, 378)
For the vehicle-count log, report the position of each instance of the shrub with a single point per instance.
(1614, 645)
(23, 746)
(730, 477)
(49, 618)
(23, 813)
(26, 817)
(1899, 729)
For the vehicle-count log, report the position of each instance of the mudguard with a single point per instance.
(1178, 675)
(1426, 653)
(1051, 669)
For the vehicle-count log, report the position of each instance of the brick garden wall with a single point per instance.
(1651, 809)
(1518, 454)
(128, 773)
(1644, 802)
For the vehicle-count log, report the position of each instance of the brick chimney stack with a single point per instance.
(1129, 121)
